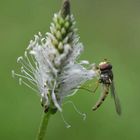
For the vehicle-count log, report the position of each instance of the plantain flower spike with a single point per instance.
(50, 66)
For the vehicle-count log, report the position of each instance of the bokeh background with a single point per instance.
(108, 29)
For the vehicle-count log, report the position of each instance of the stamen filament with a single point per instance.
(22, 76)
(77, 110)
(26, 73)
(21, 81)
(26, 55)
(24, 64)
(54, 98)
(67, 125)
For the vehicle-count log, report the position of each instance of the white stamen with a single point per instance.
(85, 62)
(43, 40)
(13, 73)
(28, 75)
(39, 33)
(50, 35)
(25, 77)
(34, 61)
(55, 15)
(54, 98)
(19, 58)
(24, 64)
(65, 122)
(36, 38)
(20, 81)
(23, 82)
(31, 66)
(32, 52)
(77, 110)
(51, 66)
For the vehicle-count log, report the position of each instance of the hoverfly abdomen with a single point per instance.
(101, 100)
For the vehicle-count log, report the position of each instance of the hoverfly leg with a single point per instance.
(110, 81)
(96, 87)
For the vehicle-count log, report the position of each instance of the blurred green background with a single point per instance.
(108, 29)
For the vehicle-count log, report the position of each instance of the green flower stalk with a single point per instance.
(50, 65)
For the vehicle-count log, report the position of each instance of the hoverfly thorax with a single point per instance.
(106, 74)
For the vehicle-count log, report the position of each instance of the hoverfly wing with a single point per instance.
(116, 99)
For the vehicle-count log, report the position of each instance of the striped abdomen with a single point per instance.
(101, 99)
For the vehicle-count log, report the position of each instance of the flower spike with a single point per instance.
(50, 63)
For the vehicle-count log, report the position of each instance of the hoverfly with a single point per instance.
(106, 80)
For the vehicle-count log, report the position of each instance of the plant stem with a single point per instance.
(43, 126)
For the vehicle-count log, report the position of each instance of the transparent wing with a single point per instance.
(116, 99)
